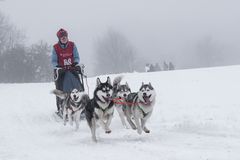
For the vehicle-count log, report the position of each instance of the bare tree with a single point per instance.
(19, 63)
(10, 36)
(165, 66)
(16, 66)
(114, 54)
(171, 66)
(40, 55)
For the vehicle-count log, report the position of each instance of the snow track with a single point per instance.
(196, 117)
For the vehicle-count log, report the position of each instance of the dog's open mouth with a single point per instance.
(75, 98)
(106, 99)
(147, 99)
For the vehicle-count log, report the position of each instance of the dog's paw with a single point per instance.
(139, 131)
(94, 139)
(147, 131)
(108, 131)
(77, 127)
(134, 127)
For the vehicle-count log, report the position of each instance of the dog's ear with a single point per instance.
(150, 85)
(108, 80)
(118, 85)
(127, 85)
(98, 82)
(141, 86)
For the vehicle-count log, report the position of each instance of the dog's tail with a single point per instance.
(85, 99)
(117, 81)
(59, 93)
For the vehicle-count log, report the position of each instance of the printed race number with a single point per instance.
(67, 62)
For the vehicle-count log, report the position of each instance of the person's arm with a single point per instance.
(76, 54)
(54, 58)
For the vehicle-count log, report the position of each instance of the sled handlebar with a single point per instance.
(65, 68)
(68, 68)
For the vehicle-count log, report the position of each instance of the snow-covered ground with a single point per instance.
(196, 117)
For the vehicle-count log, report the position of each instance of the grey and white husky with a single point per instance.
(100, 108)
(140, 107)
(120, 93)
(73, 105)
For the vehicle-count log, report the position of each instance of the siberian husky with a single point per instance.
(140, 107)
(100, 108)
(73, 105)
(120, 93)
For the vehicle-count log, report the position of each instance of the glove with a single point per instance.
(79, 67)
(75, 64)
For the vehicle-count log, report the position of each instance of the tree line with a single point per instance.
(21, 63)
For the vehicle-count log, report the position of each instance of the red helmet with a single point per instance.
(61, 33)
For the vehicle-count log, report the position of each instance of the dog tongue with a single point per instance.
(107, 99)
(146, 99)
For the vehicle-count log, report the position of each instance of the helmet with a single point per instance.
(61, 33)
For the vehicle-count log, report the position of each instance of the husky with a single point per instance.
(100, 108)
(120, 93)
(73, 105)
(140, 107)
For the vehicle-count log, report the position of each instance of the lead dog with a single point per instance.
(140, 107)
(73, 105)
(100, 107)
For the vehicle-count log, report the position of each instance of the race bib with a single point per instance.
(67, 62)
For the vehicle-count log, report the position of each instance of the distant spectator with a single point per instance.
(147, 67)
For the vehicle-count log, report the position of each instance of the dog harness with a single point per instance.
(109, 106)
(71, 103)
(130, 103)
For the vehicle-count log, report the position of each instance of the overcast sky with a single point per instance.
(170, 27)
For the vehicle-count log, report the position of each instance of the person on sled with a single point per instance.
(64, 57)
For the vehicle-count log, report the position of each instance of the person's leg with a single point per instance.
(59, 86)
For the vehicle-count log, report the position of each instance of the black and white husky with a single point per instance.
(140, 107)
(100, 108)
(73, 105)
(120, 93)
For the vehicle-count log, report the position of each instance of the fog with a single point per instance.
(182, 31)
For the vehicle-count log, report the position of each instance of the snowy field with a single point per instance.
(196, 117)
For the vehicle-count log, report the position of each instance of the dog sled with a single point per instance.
(68, 78)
